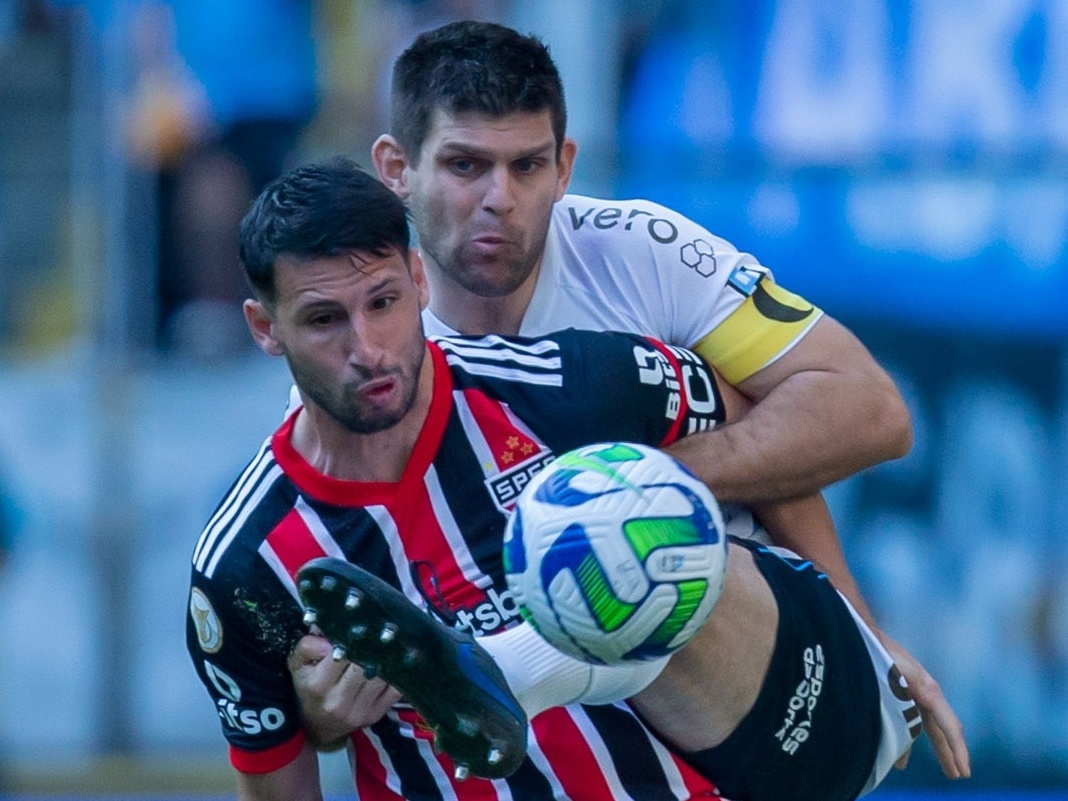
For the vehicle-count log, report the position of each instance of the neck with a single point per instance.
(468, 313)
(382, 456)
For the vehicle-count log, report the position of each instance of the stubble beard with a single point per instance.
(487, 279)
(350, 415)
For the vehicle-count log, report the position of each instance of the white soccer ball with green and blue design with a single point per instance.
(616, 553)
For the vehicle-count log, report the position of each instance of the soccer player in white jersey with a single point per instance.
(478, 150)
(392, 464)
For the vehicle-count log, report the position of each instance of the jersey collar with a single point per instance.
(364, 493)
(545, 287)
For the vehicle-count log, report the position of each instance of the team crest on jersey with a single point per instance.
(506, 485)
(208, 625)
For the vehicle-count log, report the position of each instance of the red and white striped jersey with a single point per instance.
(501, 409)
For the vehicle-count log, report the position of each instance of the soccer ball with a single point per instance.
(616, 553)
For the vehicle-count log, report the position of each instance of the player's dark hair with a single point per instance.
(323, 209)
(472, 66)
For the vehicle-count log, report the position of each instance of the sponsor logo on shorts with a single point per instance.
(797, 724)
(900, 689)
(208, 625)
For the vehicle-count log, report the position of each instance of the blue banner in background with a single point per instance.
(903, 166)
(961, 547)
(895, 161)
(939, 252)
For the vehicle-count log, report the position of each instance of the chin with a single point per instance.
(372, 424)
(491, 283)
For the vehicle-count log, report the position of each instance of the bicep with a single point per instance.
(735, 404)
(828, 347)
(238, 650)
(297, 781)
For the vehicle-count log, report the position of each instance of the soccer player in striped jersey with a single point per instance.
(404, 458)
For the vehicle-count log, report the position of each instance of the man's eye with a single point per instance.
(463, 165)
(321, 320)
(383, 303)
(526, 165)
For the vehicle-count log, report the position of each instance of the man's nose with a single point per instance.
(365, 347)
(500, 190)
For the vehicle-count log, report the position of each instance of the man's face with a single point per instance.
(482, 195)
(349, 327)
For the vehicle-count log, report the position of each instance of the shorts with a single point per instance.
(815, 728)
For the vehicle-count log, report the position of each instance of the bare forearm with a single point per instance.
(823, 412)
(297, 781)
(802, 524)
(805, 526)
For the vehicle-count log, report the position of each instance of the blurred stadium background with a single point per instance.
(902, 164)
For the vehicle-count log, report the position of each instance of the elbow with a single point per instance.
(895, 426)
(901, 442)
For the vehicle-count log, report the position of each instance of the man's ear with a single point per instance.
(419, 278)
(261, 327)
(565, 166)
(391, 164)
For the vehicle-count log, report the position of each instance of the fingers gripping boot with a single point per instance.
(445, 675)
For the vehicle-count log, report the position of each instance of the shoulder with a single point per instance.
(638, 236)
(566, 360)
(245, 515)
(524, 360)
(240, 581)
(633, 221)
(577, 386)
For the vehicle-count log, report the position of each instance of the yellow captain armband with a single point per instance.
(767, 323)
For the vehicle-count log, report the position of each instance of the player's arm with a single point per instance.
(245, 676)
(823, 409)
(940, 722)
(808, 530)
(802, 524)
(805, 526)
(297, 781)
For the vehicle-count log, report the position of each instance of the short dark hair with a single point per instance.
(322, 209)
(472, 66)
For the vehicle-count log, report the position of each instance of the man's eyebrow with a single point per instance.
(468, 149)
(382, 283)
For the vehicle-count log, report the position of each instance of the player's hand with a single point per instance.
(335, 697)
(941, 723)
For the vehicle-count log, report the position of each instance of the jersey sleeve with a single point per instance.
(238, 643)
(621, 386)
(768, 322)
(577, 387)
(724, 303)
(677, 281)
